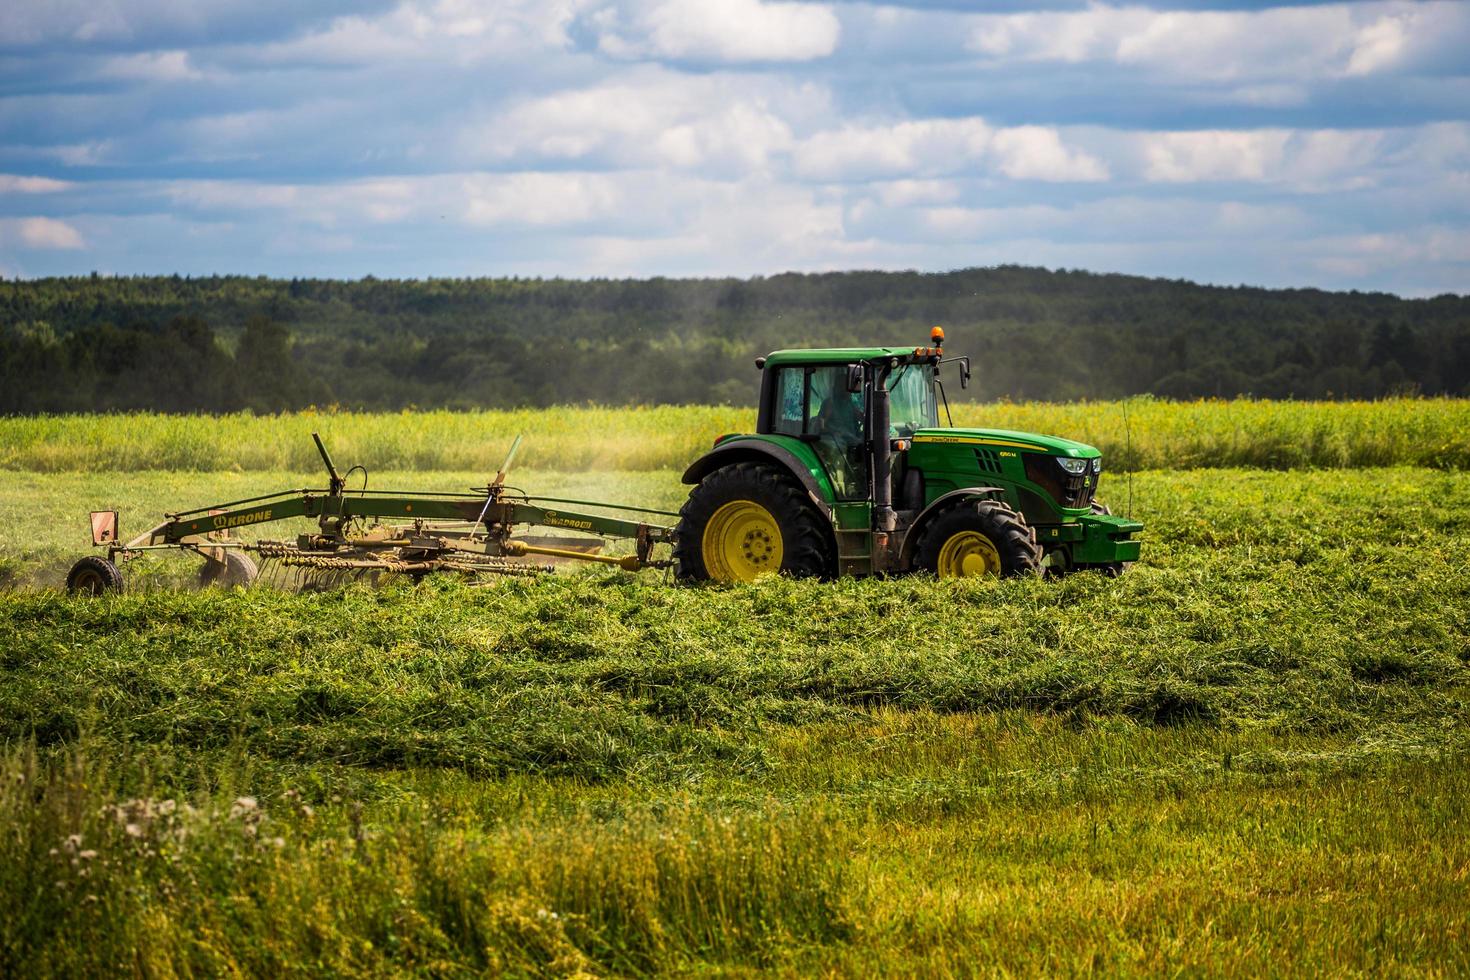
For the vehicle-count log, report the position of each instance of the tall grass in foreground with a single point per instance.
(1138, 434)
(96, 884)
(104, 872)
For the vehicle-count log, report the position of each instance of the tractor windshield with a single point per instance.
(911, 401)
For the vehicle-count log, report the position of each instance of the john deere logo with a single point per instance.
(252, 518)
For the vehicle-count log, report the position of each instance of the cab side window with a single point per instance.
(791, 401)
(814, 402)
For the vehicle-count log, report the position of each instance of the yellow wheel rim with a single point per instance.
(967, 554)
(741, 541)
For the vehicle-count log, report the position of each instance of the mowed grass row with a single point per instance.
(1141, 433)
(1281, 600)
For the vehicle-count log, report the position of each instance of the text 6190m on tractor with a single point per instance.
(848, 473)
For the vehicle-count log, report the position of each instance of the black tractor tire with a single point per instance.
(238, 569)
(94, 576)
(1013, 540)
(804, 538)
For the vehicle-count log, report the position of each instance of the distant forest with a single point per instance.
(179, 344)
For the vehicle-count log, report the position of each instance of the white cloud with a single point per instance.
(930, 147)
(254, 134)
(1213, 155)
(539, 199)
(479, 199)
(949, 224)
(80, 154)
(1037, 153)
(457, 31)
(713, 123)
(15, 184)
(906, 149)
(232, 195)
(1380, 44)
(152, 66)
(33, 23)
(744, 227)
(1121, 219)
(625, 222)
(1359, 256)
(376, 201)
(1305, 160)
(129, 21)
(41, 232)
(1290, 43)
(901, 193)
(717, 30)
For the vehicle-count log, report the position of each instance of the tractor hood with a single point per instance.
(1008, 439)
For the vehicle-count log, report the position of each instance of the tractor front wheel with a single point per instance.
(976, 538)
(748, 520)
(94, 576)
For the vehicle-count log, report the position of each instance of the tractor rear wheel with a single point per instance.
(238, 568)
(747, 520)
(978, 537)
(94, 576)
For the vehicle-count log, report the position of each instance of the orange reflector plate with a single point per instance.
(104, 526)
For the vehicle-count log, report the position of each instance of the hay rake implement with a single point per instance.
(365, 534)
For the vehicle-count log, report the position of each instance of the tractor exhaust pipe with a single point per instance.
(884, 519)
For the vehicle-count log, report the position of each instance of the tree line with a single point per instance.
(222, 343)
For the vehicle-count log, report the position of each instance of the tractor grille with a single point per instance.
(1065, 488)
(988, 461)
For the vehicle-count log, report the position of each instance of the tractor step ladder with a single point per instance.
(854, 551)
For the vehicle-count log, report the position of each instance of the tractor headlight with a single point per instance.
(1076, 467)
(1097, 464)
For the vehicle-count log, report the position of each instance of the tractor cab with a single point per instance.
(853, 433)
(825, 404)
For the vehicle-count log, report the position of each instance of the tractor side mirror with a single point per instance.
(964, 365)
(854, 378)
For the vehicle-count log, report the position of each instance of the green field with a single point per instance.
(1250, 754)
(1141, 433)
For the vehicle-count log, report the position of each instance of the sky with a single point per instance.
(1321, 145)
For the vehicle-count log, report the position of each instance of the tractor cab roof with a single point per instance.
(833, 355)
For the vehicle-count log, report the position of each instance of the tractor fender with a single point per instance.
(943, 502)
(757, 451)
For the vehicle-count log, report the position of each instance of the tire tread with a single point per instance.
(1020, 552)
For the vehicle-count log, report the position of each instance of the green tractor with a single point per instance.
(850, 473)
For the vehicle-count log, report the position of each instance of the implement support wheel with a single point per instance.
(238, 568)
(979, 537)
(748, 520)
(94, 576)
